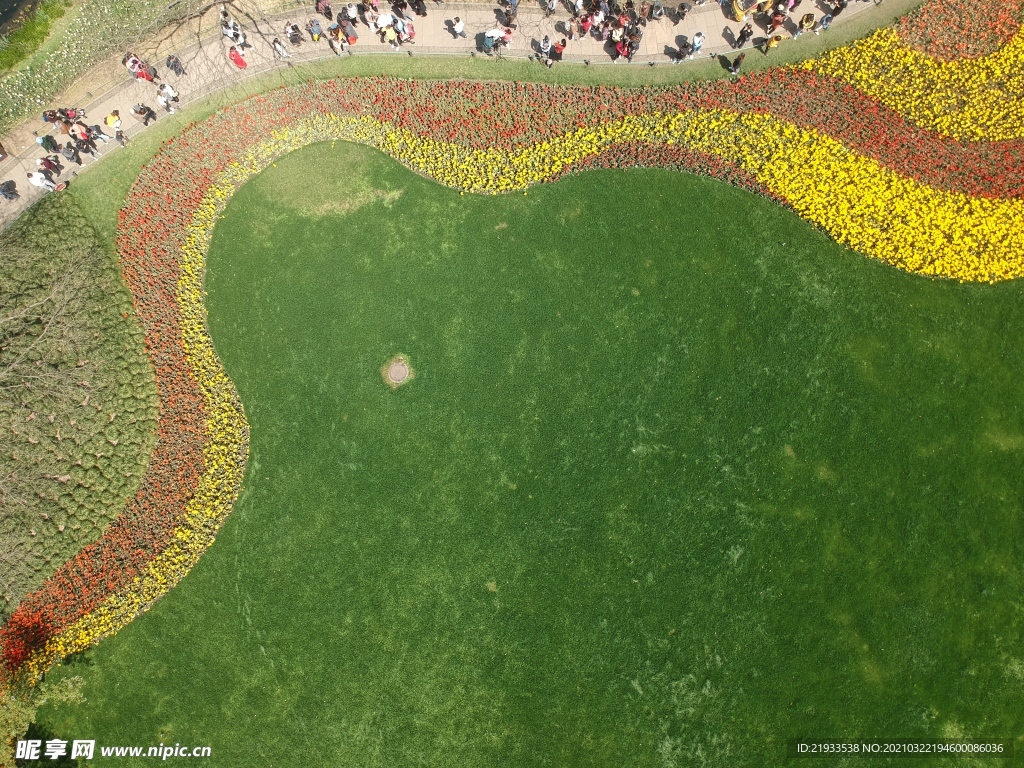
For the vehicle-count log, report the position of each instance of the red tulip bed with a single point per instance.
(197, 467)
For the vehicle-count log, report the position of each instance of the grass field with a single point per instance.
(678, 478)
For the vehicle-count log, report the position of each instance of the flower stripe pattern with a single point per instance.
(980, 99)
(890, 180)
(224, 456)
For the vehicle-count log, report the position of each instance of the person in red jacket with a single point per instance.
(237, 58)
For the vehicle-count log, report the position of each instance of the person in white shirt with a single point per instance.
(458, 27)
(163, 101)
(695, 44)
(39, 180)
(165, 95)
(280, 49)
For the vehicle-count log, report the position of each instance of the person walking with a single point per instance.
(643, 13)
(695, 44)
(401, 8)
(238, 59)
(558, 49)
(69, 152)
(87, 148)
(165, 103)
(78, 132)
(48, 143)
(545, 51)
(145, 113)
(96, 134)
(237, 37)
(114, 121)
(458, 28)
(280, 50)
(734, 68)
(37, 179)
(293, 33)
(745, 34)
(165, 97)
(171, 95)
(173, 63)
(823, 24)
(46, 165)
(621, 51)
(806, 24)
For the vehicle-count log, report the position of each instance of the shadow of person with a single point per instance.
(724, 61)
(82, 658)
(675, 54)
(729, 36)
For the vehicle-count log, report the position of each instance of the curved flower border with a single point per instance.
(977, 99)
(901, 196)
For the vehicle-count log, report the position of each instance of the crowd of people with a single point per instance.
(392, 25)
(70, 137)
(618, 24)
(782, 18)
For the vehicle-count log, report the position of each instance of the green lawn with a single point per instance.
(678, 478)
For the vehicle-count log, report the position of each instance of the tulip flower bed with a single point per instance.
(978, 99)
(959, 29)
(863, 143)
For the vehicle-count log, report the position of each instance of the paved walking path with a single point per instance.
(208, 68)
